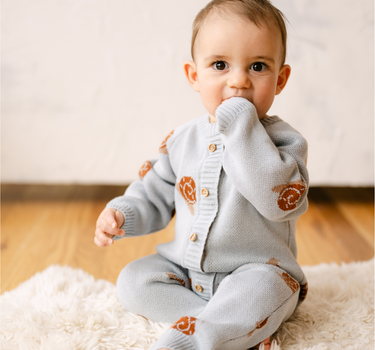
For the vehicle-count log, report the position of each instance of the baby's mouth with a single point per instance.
(225, 99)
(234, 96)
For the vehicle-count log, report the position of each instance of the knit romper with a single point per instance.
(230, 276)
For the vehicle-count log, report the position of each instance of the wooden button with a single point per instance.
(193, 237)
(199, 288)
(204, 192)
(212, 147)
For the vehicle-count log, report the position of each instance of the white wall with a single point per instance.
(90, 88)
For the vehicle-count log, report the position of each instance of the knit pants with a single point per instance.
(218, 311)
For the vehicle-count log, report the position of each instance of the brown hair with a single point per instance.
(257, 11)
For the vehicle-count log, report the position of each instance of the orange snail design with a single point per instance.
(290, 194)
(262, 323)
(303, 291)
(174, 277)
(187, 189)
(274, 262)
(185, 325)
(145, 168)
(258, 326)
(291, 282)
(163, 146)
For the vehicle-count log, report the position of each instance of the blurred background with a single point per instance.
(90, 88)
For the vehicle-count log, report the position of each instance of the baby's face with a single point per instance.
(234, 57)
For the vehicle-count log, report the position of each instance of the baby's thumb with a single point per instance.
(119, 217)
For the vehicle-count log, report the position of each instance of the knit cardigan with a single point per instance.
(238, 187)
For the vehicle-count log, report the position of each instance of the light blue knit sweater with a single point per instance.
(238, 187)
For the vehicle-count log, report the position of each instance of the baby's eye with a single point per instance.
(258, 67)
(220, 65)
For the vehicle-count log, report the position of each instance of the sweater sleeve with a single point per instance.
(267, 163)
(148, 203)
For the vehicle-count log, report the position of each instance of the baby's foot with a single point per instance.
(266, 342)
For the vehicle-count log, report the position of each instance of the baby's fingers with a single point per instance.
(98, 243)
(112, 217)
(119, 219)
(109, 229)
(101, 239)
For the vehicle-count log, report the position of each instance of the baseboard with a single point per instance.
(107, 192)
(60, 192)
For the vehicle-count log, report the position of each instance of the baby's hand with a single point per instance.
(107, 226)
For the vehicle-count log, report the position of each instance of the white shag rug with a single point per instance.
(65, 308)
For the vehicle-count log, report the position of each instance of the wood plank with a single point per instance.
(341, 234)
(44, 225)
(313, 239)
(36, 234)
(357, 206)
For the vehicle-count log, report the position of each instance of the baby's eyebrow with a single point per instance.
(224, 58)
(216, 58)
(265, 58)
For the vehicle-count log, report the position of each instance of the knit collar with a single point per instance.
(206, 128)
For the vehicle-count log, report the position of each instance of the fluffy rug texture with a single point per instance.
(66, 308)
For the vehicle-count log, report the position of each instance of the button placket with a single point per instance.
(202, 283)
(210, 176)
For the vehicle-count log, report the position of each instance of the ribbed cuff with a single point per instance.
(268, 121)
(129, 223)
(228, 111)
(173, 340)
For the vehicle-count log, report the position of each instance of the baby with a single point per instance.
(237, 180)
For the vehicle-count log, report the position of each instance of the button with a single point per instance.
(199, 288)
(193, 237)
(204, 192)
(212, 147)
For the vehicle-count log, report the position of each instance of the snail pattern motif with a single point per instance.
(185, 325)
(303, 291)
(289, 194)
(145, 168)
(186, 187)
(291, 282)
(274, 262)
(258, 326)
(174, 277)
(163, 147)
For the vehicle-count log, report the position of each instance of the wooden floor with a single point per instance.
(44, 225)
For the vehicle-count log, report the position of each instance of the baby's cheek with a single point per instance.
(265, 97)
(263, 104)
(210, 102)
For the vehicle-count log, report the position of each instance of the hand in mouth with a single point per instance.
(233, 96)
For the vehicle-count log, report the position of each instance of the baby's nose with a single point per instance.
(239, 79)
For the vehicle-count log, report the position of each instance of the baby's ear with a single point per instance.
(283, 77)
(191, 74)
